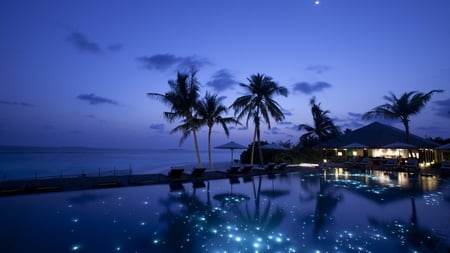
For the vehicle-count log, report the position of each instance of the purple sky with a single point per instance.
(76, 73)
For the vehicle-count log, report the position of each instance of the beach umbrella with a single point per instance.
(400, 145)
(273, 146)
(231, 146)
(355, 145)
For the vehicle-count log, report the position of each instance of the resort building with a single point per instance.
(377, 140)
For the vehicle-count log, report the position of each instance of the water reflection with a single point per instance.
(239, 222)
(324, 211)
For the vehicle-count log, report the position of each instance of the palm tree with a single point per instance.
(259, 103)
(323, 128)
(210, 111)
(183, 99)
(410, 103)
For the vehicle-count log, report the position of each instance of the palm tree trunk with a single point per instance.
(197, 152)
(209, 149)
(253, 147)
(406, 124)
(258, 134)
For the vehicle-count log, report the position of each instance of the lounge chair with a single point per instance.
(351, 162)
(411, 164)
(391, 163)
(233, 169)
(269, 167)
(445, 169)
(246, 169)
(365, 163)
(281, 166)
(176, 172)
(198, 172)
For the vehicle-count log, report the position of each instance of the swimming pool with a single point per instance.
(328, 211)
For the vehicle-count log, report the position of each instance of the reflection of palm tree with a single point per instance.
(210, 111)
(183, 100)
(410, 103)
(326, 202)
(323, 128)
(411, 235)
(259, 105)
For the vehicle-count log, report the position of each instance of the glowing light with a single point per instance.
(76, 247)
(317, 2)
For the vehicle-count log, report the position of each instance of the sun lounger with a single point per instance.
(269, 167)
(391, 163)
(198, 172)
(365, 163)
(411, 164)
(246, 169)
(351, 162)
(445, 169)
(233, 169)
(176, 172)
(281, 166)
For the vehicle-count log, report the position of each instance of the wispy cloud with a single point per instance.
(81, 42)
(95, 100)
(222, 80)
(163, 62)
(286, 112)
(318, 69)
(15, 103)
(442, 108)
(309, 88)
(157, 127)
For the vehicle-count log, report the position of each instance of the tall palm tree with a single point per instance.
(183, 99)
(210, 111)
(259, 104)
(408, 104)
(323, 128)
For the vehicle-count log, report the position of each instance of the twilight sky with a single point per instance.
(76, 73)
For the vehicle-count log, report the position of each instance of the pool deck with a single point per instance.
(86, 182)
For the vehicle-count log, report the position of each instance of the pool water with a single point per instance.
(328, 211)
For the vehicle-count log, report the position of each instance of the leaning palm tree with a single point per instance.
(410, 103)
(323, 128)
(210, 111)
(259, 104)
(183, 99)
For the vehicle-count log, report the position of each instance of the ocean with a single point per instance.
(44, 162)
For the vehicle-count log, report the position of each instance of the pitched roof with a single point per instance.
(377, 135)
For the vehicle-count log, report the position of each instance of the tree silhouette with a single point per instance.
(258, 104)
(210, 111)
(183, 99)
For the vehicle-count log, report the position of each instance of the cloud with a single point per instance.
(285, 123)
(157, 127)
(318, 69)
(286, 112)
(95, 100)
(442, 108)
(308, 88)
(82, 43)
(115, 47)
(163, 62)
(3, 102)
(221, 80)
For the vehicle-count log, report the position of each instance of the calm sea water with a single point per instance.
(27, 162)
(327, 211)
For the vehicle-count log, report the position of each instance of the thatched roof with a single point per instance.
(377, 135)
